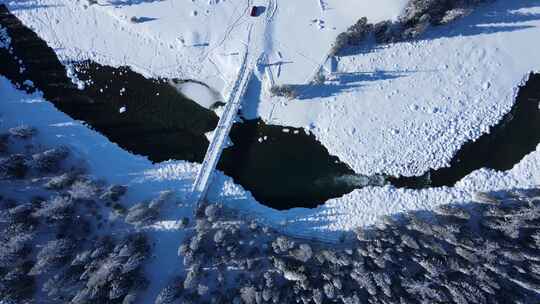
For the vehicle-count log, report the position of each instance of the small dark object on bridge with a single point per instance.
(254, 11)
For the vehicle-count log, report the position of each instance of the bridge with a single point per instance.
(221, 133)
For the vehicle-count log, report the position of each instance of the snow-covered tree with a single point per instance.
(141, 214)
(13, 166)
(170, 293)
(83, 190)
(302, 253)
(49, 161)
(61, 181)
(23, 131)
(53, 254)
(113, 193)
(57, 208)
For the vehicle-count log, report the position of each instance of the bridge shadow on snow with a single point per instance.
(250, 101)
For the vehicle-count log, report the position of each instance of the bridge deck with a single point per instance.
(221, 133)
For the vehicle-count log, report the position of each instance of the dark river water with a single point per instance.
(284, 170)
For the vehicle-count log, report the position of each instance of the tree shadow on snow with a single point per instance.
(344, 82)
(28, 5)
(130, 2)
(143, 19)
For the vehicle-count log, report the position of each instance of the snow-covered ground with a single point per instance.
(396, 109)
(199, 39)
(403, 108)
(197, 91)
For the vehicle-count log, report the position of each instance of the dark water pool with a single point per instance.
(283, 167)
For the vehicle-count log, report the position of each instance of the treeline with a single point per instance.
(62, 246)
(481, 252)
(418, 15)
(57, 244)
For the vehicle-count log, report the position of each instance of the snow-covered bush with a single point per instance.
(354, 35)
(16, 213)
(113, 193)
(282, 244)
(170, 293)
(61, 181)
(4, 143)
(65, 283)
(22, 131)
(302, 253)
(454, 14)
(5, 40)
(146, 213)
(84, 189)
(163, 197)
(13, 166)
(49, 160)
(56, 209)
(141, 214)
(284, 91)
(16, 286)
(212, 211)
(14, 249)
(53, 254)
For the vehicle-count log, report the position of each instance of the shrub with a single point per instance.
(141, 214)
(282, 244)
(61, 181)
(49, 161)
(53, 254)
(83, 190)
(114, 193)
(4, 139)
(354, 35)
(13, 166)
(171, 292)
(454, 14)
(302, 253)
(284, 91)
(57, 208)
(160, 200)
(16, 214)
(184, 222)
(13, 249)
(22, 131)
